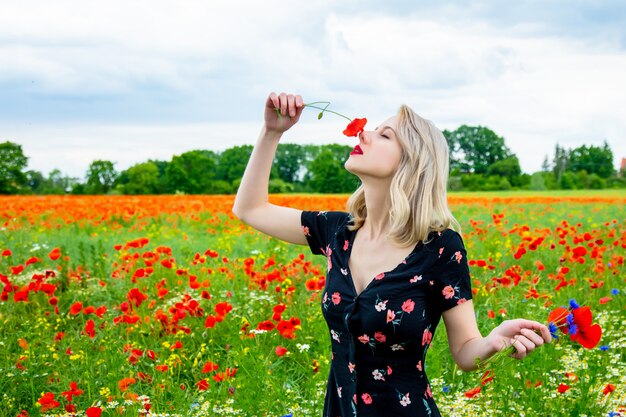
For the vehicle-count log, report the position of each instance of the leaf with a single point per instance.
(319, 116)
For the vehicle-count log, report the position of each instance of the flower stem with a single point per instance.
(325, 109)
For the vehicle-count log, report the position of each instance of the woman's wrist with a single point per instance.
(270, 134)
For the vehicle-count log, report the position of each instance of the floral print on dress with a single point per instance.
(380, 337)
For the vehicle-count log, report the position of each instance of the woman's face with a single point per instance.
(378, 153)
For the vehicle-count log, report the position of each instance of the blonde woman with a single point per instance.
(396, 265)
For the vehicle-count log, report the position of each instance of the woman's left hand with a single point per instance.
(520, 333)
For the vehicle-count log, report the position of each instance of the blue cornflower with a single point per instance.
(288, 415)
(613, 414)
(570, 322)
(573, 304)
(604, 347)
(553, 330)
(614, 291)
(446, 388)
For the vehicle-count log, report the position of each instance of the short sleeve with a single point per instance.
(452, 283)
(320, 227)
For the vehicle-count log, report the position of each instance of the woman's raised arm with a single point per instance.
(251, 202)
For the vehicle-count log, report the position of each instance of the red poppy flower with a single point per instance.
(90, 330)
(473, 392)
(93, 412)
(558, 316)
(124, 383)
(73, 392)
(76, 308)
(48, 402)
(355, 127)
(588, 335)
(55, 254)
(202, 385)
(209, 367)
(280, 351)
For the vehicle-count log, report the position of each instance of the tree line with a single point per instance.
(479, 160)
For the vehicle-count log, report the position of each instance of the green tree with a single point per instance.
(561, 156)
(142, 178)
(57, 183)
(35, 181)
(289, 161)
(537, 182)
(508, 168)
(593, 159)
(12, 163)
(475, 148)
(327, 172)
(191, 172)
(232, 163)
(101, 176)
(456, 156)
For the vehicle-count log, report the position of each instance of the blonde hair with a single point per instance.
(418, 189)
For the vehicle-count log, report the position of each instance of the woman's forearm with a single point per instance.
(253, 190)
(472, 349)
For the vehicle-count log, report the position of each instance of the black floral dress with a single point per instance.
(379, 337)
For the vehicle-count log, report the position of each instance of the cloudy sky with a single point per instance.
(130, 81)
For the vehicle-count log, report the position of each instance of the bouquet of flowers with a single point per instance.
(575, 321)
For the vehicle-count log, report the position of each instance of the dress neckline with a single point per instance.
(373, 279)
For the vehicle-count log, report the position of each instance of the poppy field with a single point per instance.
(171, 306)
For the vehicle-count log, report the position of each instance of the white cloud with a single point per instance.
(217, 61)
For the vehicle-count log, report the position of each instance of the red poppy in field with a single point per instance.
(93, 412)
(280, 351)
(32, 260)
(266, 325)
(72, 392)
(209, 367)
(48, 402)
(76, 308)
(124, 383)
(161, 368)
(90, 330)
(608, 389)
(136, 297)
(210, 321)
(223, 308)
(6, 252)
(16, 270)
(134, 356)
(203, 385)
(55, 254)
(473, 392)
(562, 388)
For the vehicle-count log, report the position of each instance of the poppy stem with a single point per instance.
(325, 109)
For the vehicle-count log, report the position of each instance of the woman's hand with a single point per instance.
(520, 333)
(290, 107)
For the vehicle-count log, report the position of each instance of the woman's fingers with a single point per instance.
(291, 101)
(283, 103)
(274, 99)
(536, 326)
(532, 336)
(299, 101)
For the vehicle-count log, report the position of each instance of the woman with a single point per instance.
(394, 265)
